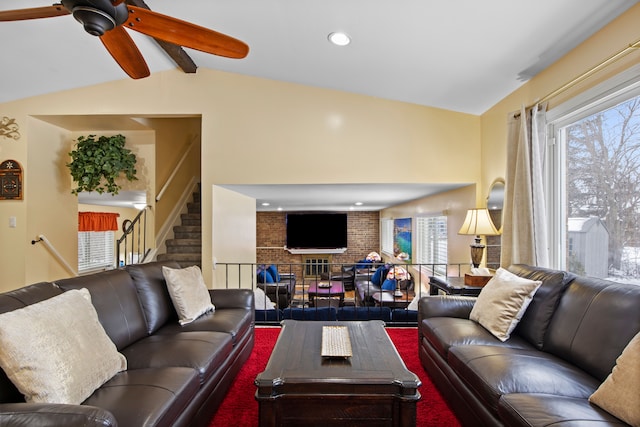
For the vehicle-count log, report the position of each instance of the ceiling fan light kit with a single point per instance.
(108, 19)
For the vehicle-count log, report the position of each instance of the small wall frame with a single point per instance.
(10, 180)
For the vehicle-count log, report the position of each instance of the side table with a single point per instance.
(452, 286)
(389, 299)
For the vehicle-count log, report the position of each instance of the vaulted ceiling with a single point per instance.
(461, 55)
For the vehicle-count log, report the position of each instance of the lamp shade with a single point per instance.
(478, 223)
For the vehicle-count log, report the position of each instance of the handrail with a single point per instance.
(55, 253)
(133, 228)
(175, 170)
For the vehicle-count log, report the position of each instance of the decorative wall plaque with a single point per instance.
(10, 180)
(9, 128)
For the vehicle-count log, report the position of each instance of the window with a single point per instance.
(595, 183)
(386, 236)
(95, 250)
(431, 242)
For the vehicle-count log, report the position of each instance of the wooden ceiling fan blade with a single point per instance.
(33, 13)
(184, 33)
(122, 48)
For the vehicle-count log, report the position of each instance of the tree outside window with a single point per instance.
(603, 193)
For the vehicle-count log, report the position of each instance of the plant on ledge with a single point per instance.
(97, 163)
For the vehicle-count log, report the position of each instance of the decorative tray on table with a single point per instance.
(336, 342)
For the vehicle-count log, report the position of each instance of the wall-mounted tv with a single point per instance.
(316, 230)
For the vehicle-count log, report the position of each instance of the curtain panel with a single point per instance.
(97, 221)
(524, 237)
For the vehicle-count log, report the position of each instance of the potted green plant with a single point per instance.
(97, 163)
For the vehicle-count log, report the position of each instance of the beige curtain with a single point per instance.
(524, 234)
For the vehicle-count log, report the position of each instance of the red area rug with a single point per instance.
(240, 408)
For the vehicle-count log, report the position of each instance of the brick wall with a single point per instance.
(363, 236)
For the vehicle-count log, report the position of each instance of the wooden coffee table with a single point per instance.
(325, 289)
(300, 387)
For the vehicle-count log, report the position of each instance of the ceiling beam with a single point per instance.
(175, 52)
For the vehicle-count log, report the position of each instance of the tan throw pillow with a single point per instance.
(619, 394)
(56, 351)
(502, 302)
(188, 292)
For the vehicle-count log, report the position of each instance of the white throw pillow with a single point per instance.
(413, 305)
(262, 301)
(619, 394)
(188, 292)
(56, 351)
(502, 302)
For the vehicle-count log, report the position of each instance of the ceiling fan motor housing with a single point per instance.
(97, 16)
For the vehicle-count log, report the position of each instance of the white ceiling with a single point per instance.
(336, 197)
(460, 55)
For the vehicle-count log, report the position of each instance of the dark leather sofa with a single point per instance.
(561, 351)
(176, 375)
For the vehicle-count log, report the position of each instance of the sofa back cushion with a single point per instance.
(535, 321)
(594, 322)
(116, 301)
(153, 294)
(10, 301)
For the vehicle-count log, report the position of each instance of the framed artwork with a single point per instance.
(402, 239)
(10, 180)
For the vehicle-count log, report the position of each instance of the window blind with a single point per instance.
(432, 242)
(95, 250)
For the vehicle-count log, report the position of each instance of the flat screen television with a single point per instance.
(316, 230)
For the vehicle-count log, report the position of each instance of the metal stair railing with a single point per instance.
(131, 247)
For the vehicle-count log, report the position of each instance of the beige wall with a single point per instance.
(261, 131)
(452, 204)
(174, 136)
(233, 235)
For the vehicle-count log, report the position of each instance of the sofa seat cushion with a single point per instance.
(235, 321)
(203, 351)
(445, 332)
(147, 397)
(522, 409)
(492, 371)
(46, 414)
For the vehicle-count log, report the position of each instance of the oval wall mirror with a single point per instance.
(495, 201)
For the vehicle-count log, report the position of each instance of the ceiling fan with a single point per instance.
(107, 19)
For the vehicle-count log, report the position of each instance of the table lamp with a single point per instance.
(478, 222)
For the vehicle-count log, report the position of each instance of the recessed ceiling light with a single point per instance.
(358, 203)
(279, 208)
(339, 39)
(265, 204)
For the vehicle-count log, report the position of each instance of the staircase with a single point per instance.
(186, 246)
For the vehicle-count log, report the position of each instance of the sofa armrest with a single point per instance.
(445, 306)
(51, 415)
(232, 298)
